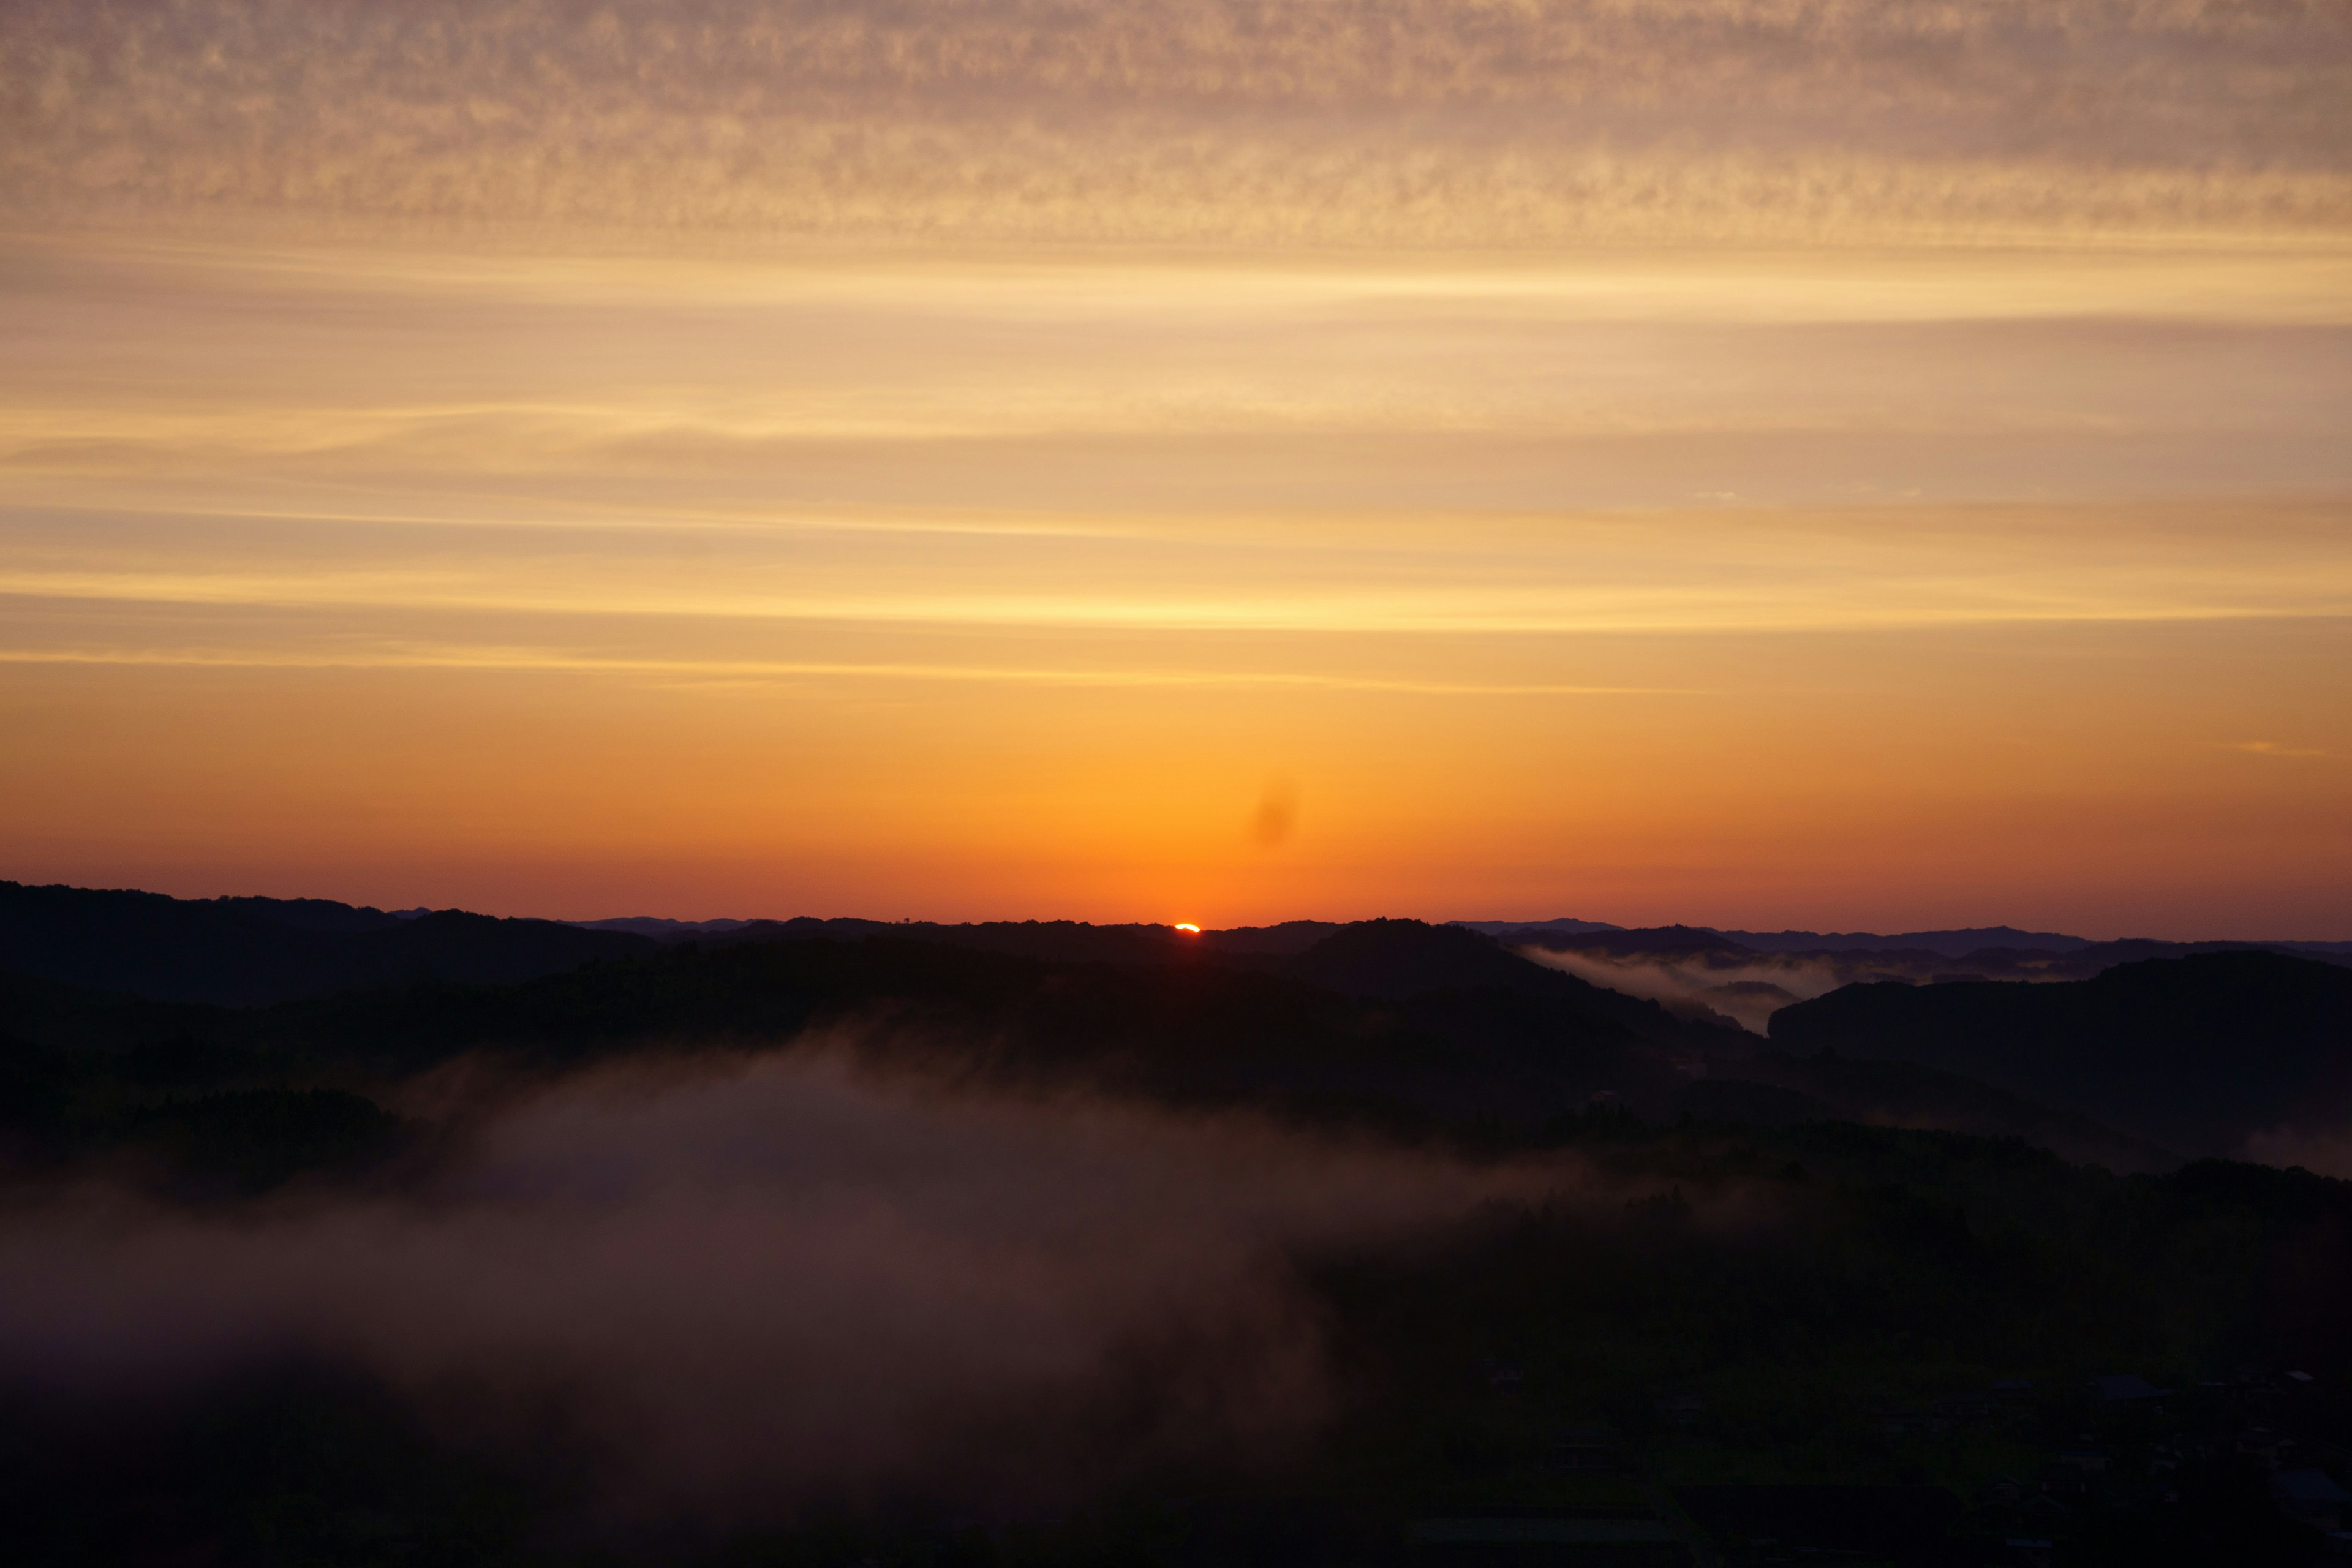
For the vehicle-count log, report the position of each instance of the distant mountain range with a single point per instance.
(1951, 943)
(2199, 1053)
(1957, 943)
(247, 951)
(2127, 1053)
(1748, 976)
(1966, 942)
(1037, 939)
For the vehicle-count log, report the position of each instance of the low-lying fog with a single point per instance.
(774, 1276)
(1748, 993)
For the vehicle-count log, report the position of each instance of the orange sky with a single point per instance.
(1878, 466)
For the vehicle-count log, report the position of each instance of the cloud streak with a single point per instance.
(546, 661)
(1688, 570)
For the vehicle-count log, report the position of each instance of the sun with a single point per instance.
(1183, 927)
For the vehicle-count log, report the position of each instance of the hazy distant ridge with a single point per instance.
(244, 952)
(2174, 1050)
(1955, 943)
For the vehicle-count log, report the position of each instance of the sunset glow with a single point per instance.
(1709, 461)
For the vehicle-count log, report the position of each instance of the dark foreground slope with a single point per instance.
(1726, 1347)
(247, 951)
(2199, 1054)
(1690, 1335)
(1774, 1089)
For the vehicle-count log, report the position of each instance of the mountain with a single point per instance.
(1054, 939)
(1772, 1089)
(1750, 976)
(1422, 1019)
(1534, 930)
(246, 952)
(1064, 941)
(2199, 1053)
(661, 928)
(1957, 943)
(1839, 1270)
(2188, 1053)
(1074, 941)
(1394, 959)
(1396, 1018)
(1665, 941)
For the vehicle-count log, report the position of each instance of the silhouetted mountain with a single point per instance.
(1772, 1089)
(106, 1023)
(1637, 1286)
(242, 951)
(2082, 962)
(1698, 970)
(2197, 1053)
(1517, 931)
(1917, 956)
(1411, 1021)
(1394, 958)
(1951, 944)
(1663, 941)
(661, 928)
(1957, 943)
(1076, 941)
(1399, 958)
(302, 914)
(1290, 936)
(1424, 1020)
(1488, 1033)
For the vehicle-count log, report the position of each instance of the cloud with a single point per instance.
(1430, 122)
(1749, 988)
(1749, 992)
(777, 1280)
(2273, 749)
(1947, 566)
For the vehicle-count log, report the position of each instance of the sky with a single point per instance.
(1845, 464)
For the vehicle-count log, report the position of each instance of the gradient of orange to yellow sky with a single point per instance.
(1848, 463)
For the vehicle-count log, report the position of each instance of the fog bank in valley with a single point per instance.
(775, 1279)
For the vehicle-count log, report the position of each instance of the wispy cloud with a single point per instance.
(545, 662)
(1703, 570)
(1328, 120)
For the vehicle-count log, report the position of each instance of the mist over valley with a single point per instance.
(848, 1240)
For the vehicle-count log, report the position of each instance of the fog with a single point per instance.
(1748, 993)
(766, 1281)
